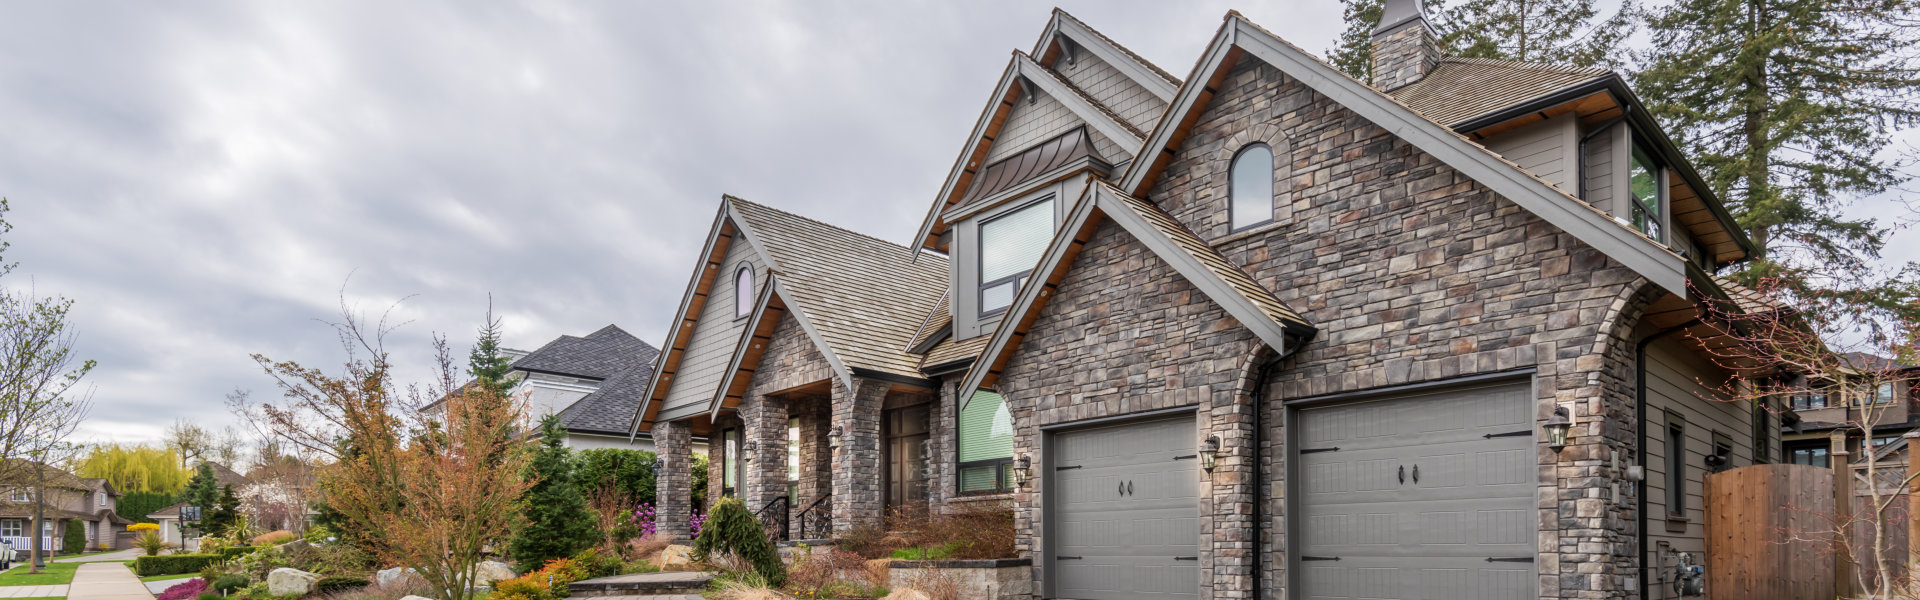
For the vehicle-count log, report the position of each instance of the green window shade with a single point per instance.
(986, 428)
(1010, 245)
(983, 478)
(1645, 183)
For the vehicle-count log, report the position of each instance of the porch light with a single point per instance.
(1557, 428)
(1022, 469)
(833, 436)
(1209, 450)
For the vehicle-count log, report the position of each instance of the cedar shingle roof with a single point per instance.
(948, 351)
(1460, 89)
(941, 317)
(1748, 299)
(865, 296)
(1123, 49)
(1210, 258)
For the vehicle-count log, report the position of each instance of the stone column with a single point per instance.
(1228, 563)
(673, 484)
(816, 459)
(856, 459)
(764, 473)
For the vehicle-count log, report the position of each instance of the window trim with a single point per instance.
(980, 256)
(1822, 448)
(1272, 205)
(1634, 208)
(743, 304)
(1762, 422)
(730, 448)
(1002, 484)
(1676, 466)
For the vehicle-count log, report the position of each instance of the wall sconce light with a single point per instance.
(659, 464)
(746, 451)
(1557, 428)
(1022, 470)
(1209, 450)
(833, 436)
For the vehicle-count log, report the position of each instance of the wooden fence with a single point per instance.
(1764, 526)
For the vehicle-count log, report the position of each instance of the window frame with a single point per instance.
(1635, 208)
(730, 445)
(13, 528)
(1818, 450)
(1884, 394)
(1002, 480)
(1019, 279)
(1762, 433)
(743, 295)
(1233, 197)
(1676, 466)
(19, 495)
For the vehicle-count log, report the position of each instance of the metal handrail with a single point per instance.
(767, 515)
(817, 519)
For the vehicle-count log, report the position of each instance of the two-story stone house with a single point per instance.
(1264, 331)
(69, 497)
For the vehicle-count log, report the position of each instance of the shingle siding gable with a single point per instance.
(1108, 86)
(714, 337)
(1039, 121)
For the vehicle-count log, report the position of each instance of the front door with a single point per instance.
(906, 469)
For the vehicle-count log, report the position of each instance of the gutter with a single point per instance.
(1640, 424)
(1260, 494)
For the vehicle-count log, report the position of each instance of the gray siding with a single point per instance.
(713, 338)
(967, 323)
(1037, 122)
(1108, 86)
(1547, 149)
(1672, 375)
(1607, 156)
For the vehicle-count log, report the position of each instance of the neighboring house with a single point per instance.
(1841, 403)
(170, 528)
(593, 382)
(1267, 331)
(68, 498)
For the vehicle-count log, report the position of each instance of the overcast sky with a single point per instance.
(203, 178)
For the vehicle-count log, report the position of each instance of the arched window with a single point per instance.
(743, 292)
(1250, 187)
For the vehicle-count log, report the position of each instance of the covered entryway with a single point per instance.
(1428, 495)
(1124, 511)
(906, 471)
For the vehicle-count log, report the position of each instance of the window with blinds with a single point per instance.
(1010, 245)
(986, 444)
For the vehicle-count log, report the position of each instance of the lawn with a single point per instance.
(56, 573)
(40, 598)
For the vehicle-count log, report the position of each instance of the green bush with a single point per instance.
(629, 472)
(229, 583)
(136, 506)
(75, 539)
(210, 596)
(732, 529)
(338, 583)
(597, 563)
(233, 552)
(172, 564)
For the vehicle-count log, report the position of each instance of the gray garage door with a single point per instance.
(1429, 497)
(1125, 512)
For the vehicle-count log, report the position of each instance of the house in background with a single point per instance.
(594, 382)
(1826, 405)
(69, 497)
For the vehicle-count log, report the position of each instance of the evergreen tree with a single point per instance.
(225, 514)
(202, 490)
(557, 523)
(1787, 105)
(488, 366)
(1354, 54)
(1571, 32)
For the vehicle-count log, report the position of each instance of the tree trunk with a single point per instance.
(37, 556)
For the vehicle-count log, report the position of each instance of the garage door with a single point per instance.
(1125, 512)
(1429, 497)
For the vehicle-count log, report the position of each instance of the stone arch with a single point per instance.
(1221, 169)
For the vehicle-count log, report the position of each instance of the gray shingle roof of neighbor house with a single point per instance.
(866, 297)
(1460, 89)
(623, 364)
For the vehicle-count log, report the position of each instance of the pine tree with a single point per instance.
(1786, 105)
(221, 520)
(489, 367)
(1354, 54)
(203, 490)
(557, 523)
(1571, 32)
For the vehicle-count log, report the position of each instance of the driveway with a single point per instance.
(118, 556)
(106, 581)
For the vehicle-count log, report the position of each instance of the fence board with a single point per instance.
(1764, 524)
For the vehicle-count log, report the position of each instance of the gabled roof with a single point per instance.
(608, 409)
(1253, 306)
(1460, 89)
(1150, 76)
(768, 308)
(602, 354)
(1239, 38)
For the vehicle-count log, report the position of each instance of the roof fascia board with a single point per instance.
(1183, 102)
(680, 316)
(926, 345)
(1052, 177)
(919, 382)
(760, 306)
(1252, 317)
(999, 96)
(1098, 119)
(1063, 240)
(1087, 39)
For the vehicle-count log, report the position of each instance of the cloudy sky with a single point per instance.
(205, 178)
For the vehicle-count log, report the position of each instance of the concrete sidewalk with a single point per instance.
(106, 581)
(32, 591)
(119, 556)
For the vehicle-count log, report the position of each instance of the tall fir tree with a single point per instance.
(222, 519)
(203, 490)
(487, 364)
(1788, 106)
(557, 523)
(1570, 32)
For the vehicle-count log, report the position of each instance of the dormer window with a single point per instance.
(743, 292)
(1644, 184)
(1250, 188)
(1010, 245)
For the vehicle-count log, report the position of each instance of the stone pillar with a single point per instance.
(764, 434)
(673, 484)
(1231, 557)
(816, 459)
(856, 459)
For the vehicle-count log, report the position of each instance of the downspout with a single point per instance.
(1640, 448)
(1260, 472)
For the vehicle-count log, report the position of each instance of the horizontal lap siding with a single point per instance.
(1544, 149)
(1673, 376)
(1108, 86)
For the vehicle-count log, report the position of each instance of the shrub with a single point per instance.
(139, 527)
(731, 529)
(967, 532)
(150, 542)
(172, 564)
(520, 588)
(830, 573)
(338, 583)
(211, 596)
(191, 588)
(75, 540)
(233, 552)
(256, 565)
(597, 563)
(229, 583)
(273, 538)
(318, 534)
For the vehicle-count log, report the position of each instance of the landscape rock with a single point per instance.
(490, 571)
(677, 558)
(397, 576)
(900, 594)
(287, 581)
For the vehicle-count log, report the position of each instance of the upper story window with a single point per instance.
(1644, 184)
(1884, 395)
(1010, 245)
(743, 292)
(1809, 454)
(100, 499)
(18, 495)
(1250, 187)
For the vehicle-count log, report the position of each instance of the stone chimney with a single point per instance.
(1404, 45)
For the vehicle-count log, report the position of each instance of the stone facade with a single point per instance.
(973, 579)
(674, 482)
(1404, 55)
(857, 498)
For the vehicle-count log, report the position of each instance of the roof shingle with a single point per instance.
(1460, 89)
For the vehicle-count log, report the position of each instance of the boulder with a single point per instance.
(490, 571)
(900, 594)
(287, 581)
(677, 558)
(397, 576)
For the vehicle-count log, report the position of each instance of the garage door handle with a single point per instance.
(1186, 558)
(1066, 558)
(1416, 473)
(1403, 474)
(1494, 559)
(1314, 558)
(1129, 487)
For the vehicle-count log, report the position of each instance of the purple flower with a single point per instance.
(188, 590)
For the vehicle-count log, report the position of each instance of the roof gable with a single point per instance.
(1239, 38)
(1254, 306)
(768, 309)
(1083, 37)
(602, 355)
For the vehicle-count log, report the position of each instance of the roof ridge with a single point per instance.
(733, 198)
(1521, 64)
(1118, 46)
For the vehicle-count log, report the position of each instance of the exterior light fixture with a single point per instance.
(1022, 470)
(1557, 428)
(833, 436)
(1209, 450)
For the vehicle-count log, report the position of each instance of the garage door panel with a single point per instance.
(1126, 578)
(1437, 579)
(1126, 512)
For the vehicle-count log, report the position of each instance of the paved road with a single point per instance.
(106, 581)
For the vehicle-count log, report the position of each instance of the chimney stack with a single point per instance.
(1405, 48)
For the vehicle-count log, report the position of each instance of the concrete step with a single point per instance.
(655, 597)
(641, 585)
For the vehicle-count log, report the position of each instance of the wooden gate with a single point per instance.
(1754, 515)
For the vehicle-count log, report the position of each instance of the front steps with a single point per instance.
(642, 586)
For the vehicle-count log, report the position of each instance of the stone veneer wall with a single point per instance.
(856, 460)
(1413, 273)
(1404, 56)
(674, 483)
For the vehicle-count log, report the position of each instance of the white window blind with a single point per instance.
(1010, 245)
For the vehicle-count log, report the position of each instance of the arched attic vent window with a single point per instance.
(1250, 189)
(743, 292)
